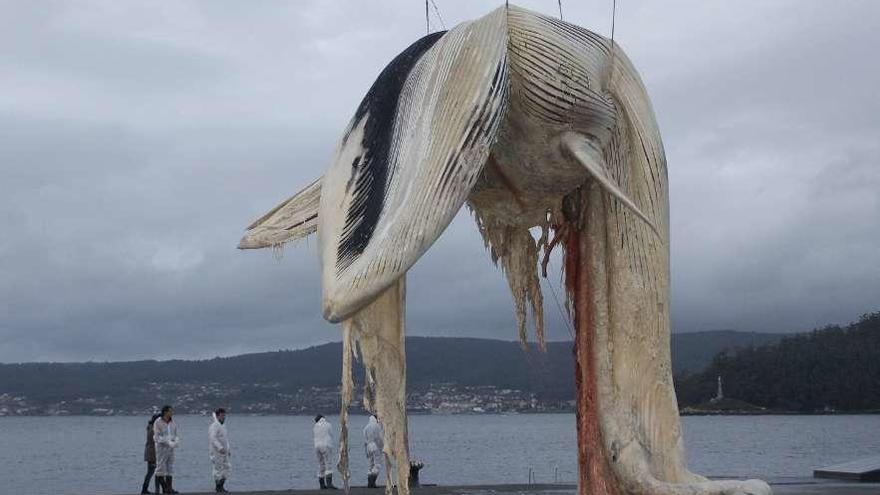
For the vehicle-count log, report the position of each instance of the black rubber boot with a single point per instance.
(371, 480)
(321, 482)
(169, 485)
(328, 480)
(217, 486)
(160, 485)
(151, 470)
(223, 486)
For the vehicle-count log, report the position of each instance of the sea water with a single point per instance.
(104, 455)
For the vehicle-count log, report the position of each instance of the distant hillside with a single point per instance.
(281, 381)
(262, 381)
(693, 352)
(833, 368)
(429, 359)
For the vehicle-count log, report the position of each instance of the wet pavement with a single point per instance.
(794, 486)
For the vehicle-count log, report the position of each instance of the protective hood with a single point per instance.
(323, 436)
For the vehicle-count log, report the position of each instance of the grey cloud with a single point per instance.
(137, 141)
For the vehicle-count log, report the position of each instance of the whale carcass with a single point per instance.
(531, 122)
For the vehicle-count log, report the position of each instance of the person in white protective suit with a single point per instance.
(373, 444)
(323, 431)
(218, 444)
(165, 436)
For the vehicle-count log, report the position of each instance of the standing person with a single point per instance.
(165, 436)
(373, 444)
(150, 456)
(219, 450)
(323, 431)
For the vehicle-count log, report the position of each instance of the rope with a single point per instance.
(427, 19)
(440, 17)
(562, 312)
(611, 49)
(560, 10)
(613, 17)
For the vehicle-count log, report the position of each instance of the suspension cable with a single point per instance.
(562, 313)
(439, 17)
(611, 49)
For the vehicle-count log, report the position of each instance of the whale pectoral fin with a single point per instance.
(585, 152)
(409, 159)
(293, 219)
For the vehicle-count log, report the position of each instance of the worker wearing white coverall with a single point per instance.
(373, 445)
(218, 445)
(323, 431)
(165, 436)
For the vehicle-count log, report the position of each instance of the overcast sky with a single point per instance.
(138, 139)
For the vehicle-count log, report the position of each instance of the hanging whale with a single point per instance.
(531, 122)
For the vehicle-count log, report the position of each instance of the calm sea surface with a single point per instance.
(78, 455)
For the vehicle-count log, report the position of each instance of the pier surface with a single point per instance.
(867, 469)
(795, 486)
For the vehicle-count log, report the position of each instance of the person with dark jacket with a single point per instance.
(150, 456)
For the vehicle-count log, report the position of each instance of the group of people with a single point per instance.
(163, 440)
(373, 445)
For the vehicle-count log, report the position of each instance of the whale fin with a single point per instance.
(293, 219)
(583, 149)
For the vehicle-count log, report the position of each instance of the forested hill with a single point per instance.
(429, 360)
(693, 352)
(460, 361)
(833, 368)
